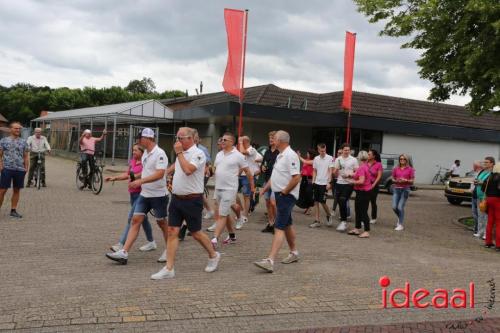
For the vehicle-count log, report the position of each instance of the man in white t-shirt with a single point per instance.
(187, 202)
(284, 183)
(250, 154)
(455, 169)
(344, 168)
(153, 197)
(228, 163)
(322, 177)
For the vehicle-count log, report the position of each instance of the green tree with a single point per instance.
(460, 40)
(144, 86)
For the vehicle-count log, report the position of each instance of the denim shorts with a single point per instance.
(284, 207)
(269, 195)
(157, 205)
(244, 186)
(12, 177)
(188, 210)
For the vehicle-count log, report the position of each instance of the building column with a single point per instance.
(114, 142)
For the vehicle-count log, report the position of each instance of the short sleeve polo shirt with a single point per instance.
(154, 160)
(227, 168)
(183, 184)
(286, 166)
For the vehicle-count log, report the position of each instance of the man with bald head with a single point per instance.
(37, 143)
(284, 183)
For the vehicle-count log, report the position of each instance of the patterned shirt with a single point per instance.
(13, 150)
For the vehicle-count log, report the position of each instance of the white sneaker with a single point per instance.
(342, 226)
(315, 224)
(212, 227)
(208, 215)
(373, 221)
(476, 235)
(164, 273)
(163, 257)
(483, 238)
(117, 247)
(399, 227)
(150, 246)
(213, 263)
(119, 256)
(329, 221)
(241, 221)
(349, 218)
(334, 213)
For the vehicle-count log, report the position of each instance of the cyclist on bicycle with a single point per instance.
(37, 143)
(87, 150)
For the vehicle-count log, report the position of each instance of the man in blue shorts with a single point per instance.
(284, 183)
(153, 197)
(187, 202)
(14, 162)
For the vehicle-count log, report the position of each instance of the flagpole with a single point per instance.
(244, 49)
(348, 134)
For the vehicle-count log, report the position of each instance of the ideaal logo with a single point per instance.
(423, 298)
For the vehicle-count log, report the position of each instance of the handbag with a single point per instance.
(483, 204)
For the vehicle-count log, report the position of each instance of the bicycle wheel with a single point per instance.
(435, 179)
(80, 179)
(97, 181)
(38, 177)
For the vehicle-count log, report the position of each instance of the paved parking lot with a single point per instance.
(54, 276)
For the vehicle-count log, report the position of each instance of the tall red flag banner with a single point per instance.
(350, 44)
(234, 76)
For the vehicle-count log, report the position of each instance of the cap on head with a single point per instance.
(87, 131)
(148, 133)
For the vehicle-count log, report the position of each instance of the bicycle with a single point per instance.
(441, 175)
(38, 171)
(94, 177)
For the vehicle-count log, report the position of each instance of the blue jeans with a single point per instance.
(475, 213)
(146, 226)
(399, 198)
(284, 207)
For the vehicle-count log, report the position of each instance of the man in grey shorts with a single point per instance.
(228, 164)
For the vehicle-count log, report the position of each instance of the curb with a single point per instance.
(458, 223)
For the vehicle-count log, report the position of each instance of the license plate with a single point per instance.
(456, 190)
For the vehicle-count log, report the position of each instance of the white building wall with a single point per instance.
(429, 152)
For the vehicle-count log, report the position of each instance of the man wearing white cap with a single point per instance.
(87, 150)
(153, 197)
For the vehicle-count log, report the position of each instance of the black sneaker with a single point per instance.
(488, 245)
(268, 228)
(15, 214)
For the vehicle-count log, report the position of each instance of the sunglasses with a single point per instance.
(226, 140)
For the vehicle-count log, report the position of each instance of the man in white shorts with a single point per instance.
(228, 163)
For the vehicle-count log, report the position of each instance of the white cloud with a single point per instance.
(293, 44)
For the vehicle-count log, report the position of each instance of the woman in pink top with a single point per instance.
(375, 168)
(362, 186)
(402, 177)
(134, 172)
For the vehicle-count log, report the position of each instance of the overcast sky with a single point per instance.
(294, 44)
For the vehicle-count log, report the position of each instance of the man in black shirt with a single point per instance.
(267, 168)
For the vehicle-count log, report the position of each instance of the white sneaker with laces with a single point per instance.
(117, 247)
(208, 215)
(240, 222)
(212, 227)
(373, 221)
(476, 235)
(329, 221)
(119, 256)
(150, 246)
(163, 257)
(399, 227)
(342, 226)
(164, 273)
(213, 263)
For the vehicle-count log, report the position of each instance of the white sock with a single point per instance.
(295, 252)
